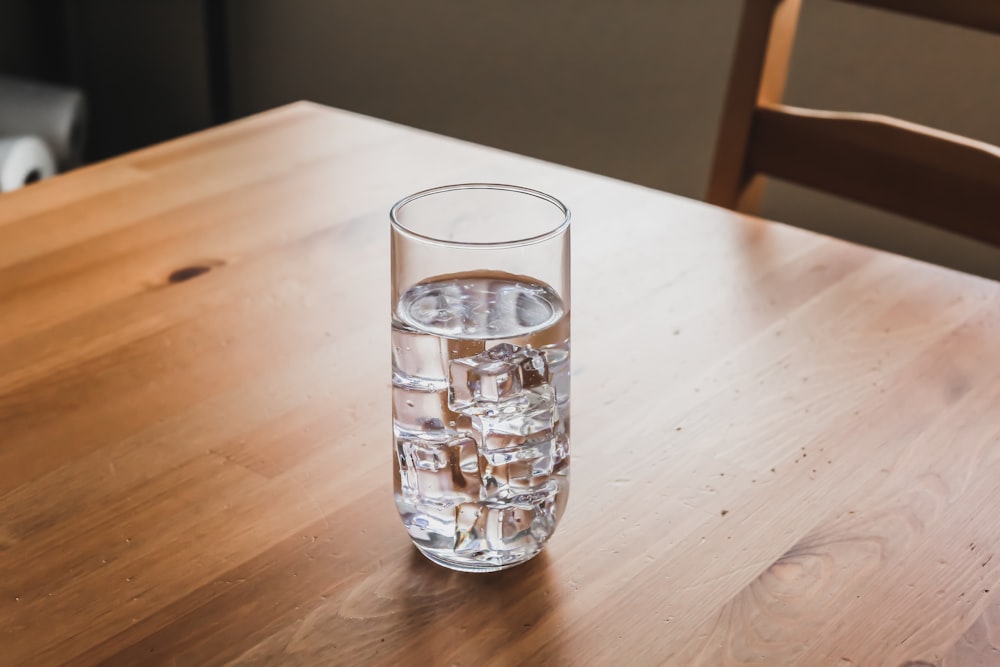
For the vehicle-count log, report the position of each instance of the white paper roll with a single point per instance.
(24, 160)
(53, 113)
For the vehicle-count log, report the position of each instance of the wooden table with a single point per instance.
(786, 448)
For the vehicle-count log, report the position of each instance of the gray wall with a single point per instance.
(631, 88)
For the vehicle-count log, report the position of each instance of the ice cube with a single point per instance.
(438, 467)
(517, 445)
(498, 375)
(512, 472)
(518, 482)
(531, 363)
(532, 414)
(479, 382)
(416, 360)
(500, 528)
(534, 369)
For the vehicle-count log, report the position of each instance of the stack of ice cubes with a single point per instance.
(506, 392)
(477, 444)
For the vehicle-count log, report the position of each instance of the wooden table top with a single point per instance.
(786, 448)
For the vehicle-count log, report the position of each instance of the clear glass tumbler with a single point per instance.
(480, 371)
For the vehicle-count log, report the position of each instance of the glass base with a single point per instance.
(465, 564)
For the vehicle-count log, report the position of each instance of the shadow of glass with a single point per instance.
(440, 616)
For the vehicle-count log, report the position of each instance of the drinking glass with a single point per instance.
(480, 371)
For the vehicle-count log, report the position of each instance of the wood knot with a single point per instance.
(193, 271)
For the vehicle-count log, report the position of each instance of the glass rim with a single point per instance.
(512, 243)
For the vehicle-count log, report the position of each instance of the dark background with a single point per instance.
(631, 89)
(145, 65)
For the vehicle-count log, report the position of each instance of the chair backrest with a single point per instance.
(928, 175)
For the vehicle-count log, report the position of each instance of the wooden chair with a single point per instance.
(936, 177)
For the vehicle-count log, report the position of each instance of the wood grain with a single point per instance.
(785, 446)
